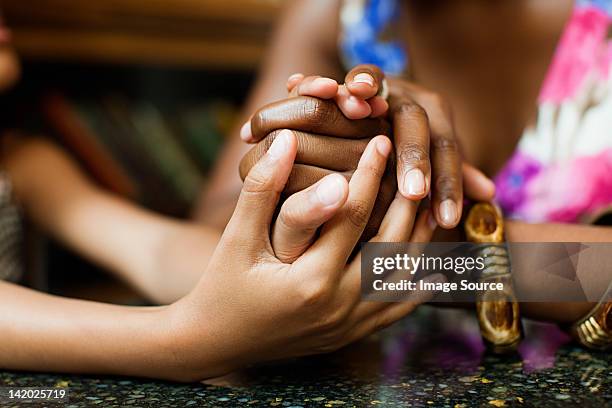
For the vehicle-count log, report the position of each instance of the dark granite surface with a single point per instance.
(432, 359)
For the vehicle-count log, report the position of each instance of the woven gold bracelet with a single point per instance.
(595, 329)
(498, 313)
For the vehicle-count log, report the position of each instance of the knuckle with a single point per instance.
(330, 322)
(257, 181)
(289, 217)
(370, 170)
(307, 144)
(316, 293)
(293, 217)
(444, 144)
(320, 111)
(438, 101)
(358, 213)
(412, 111)
(288, 254)
(354, 150)
(446, 185)
(412, 152)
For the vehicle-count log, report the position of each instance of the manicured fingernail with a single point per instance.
(414, 182)
(295, 77)
(384, 147)
(448, 212)
(431, 221)
(245, 131)
(330, 191)
(280, 145)
(364, 78)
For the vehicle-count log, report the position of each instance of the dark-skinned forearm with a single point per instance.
(562, 312)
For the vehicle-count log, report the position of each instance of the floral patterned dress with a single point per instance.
(561, 170)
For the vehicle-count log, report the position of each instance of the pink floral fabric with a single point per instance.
(562, 168)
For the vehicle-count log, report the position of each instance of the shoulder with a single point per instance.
(316, 20)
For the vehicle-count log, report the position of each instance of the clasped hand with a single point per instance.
(250, 306)
(334, 123)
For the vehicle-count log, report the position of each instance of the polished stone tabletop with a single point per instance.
(432, 359)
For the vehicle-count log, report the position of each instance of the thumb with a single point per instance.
(262, 188)
(365, 81)
(476, 185)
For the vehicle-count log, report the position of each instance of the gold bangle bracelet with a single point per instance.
(498, 314)
(595, 329)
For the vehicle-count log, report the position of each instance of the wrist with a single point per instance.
(144, 350)
(190, 347)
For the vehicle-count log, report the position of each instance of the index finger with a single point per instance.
(313, 115)
(314, 150)
(412, 134)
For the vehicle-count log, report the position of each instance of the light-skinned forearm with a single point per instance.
(161, 257)
(47, 333)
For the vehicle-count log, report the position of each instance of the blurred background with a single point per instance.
(141, 92)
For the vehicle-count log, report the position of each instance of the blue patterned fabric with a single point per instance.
(361, 42)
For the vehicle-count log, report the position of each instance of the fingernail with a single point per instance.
(414, 182)
(431, 221)
(245, 131)
(384, 147)
(330, 190)
(448, 212)
(324, 81)
(295, 77)
(280, 145)
(364, 78)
